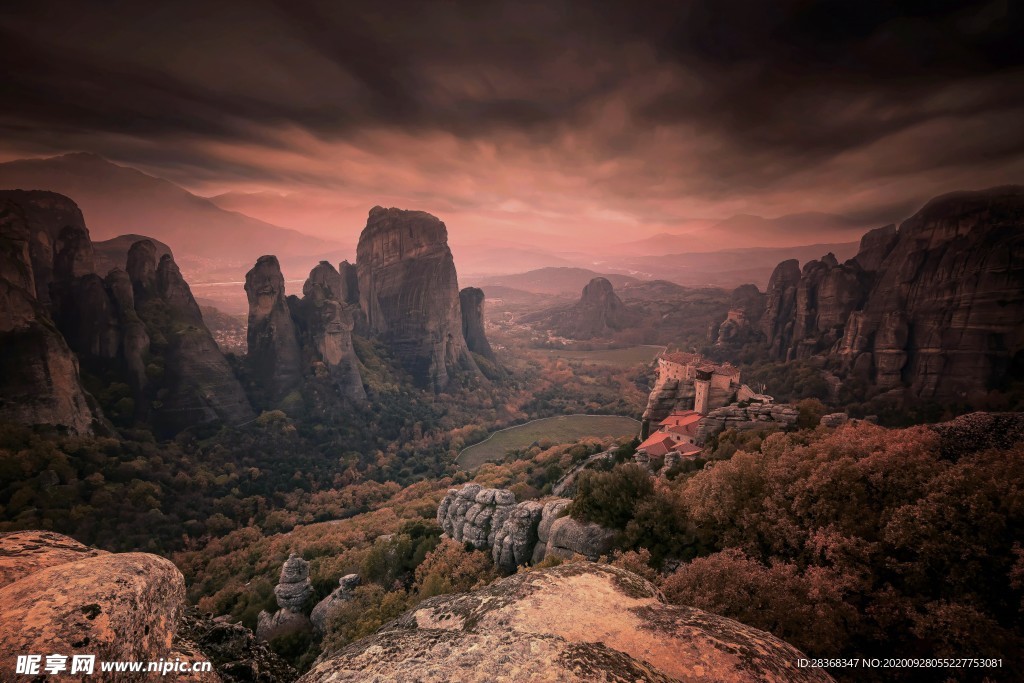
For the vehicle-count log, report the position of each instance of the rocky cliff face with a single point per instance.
(409, 293)
(943, 316)
(274, 354)
(39, 374)
(743, 418)
(471, 300)
(197, 384)
(780, 304)
(933, 306)
(115, 326)
(575, 622)
(328, 323)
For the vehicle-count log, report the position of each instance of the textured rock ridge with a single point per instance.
(471, 300)
(474, 514)
(753, 416)
(932, 307)
(409, 293)
(577, 622)
(515, 541)
(273, 344)
(518, 534)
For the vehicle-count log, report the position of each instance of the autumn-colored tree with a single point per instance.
(449, 568)
(610, 498)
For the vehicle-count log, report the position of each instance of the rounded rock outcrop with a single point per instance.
(578, 622)
(70, 599)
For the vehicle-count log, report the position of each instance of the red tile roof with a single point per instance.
(681, 418)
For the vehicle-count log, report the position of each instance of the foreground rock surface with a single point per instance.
(574, 622)
(59, 596)
(115, 606)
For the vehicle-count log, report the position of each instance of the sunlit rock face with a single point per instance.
(57, 595)
(273, 344)
(409, 293)
(578, 622)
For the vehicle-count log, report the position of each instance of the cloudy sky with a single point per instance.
(605, 118)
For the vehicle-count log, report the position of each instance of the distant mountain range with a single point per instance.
(749, 231)
(633, 276)
(727, 267)
(566, 281)
(117, 200)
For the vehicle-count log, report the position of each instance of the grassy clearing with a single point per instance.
(561, 429)
(626, 357)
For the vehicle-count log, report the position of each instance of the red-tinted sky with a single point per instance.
(596, 119)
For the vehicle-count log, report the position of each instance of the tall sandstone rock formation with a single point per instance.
(599, 313)
(198, 384)
(471, 299)
(934, 306)
(274, 354)
(39, 373)
(121, 323)
(328, 321)
(409, 292)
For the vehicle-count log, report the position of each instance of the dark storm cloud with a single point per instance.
(659, 99)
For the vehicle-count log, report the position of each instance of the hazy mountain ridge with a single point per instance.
(119, 199)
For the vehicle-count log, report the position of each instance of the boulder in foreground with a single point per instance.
(574, 622)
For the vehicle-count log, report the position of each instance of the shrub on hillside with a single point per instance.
(610, 498)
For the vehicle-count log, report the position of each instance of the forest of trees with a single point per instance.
(860, 541)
